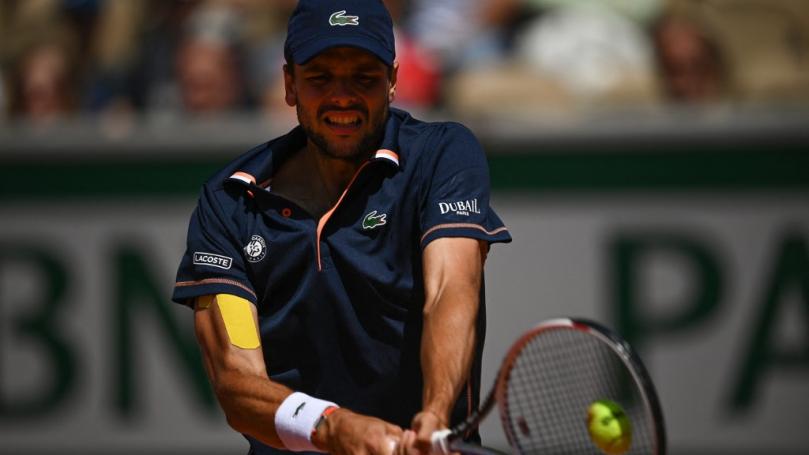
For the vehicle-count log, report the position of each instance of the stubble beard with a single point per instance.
(364, 148)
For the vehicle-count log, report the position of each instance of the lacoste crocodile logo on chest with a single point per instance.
(372, 220)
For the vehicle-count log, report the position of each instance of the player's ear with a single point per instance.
(290, 96)
(394, 72)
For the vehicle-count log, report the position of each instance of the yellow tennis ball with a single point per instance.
(609, 427)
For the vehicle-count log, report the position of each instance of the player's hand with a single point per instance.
(424, 424)
(348, 433)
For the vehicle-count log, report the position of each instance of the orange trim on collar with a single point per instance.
(325, 218)
(389, 155)
(244, 177)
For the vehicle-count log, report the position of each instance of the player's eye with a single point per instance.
(317, 78)
(366, 79)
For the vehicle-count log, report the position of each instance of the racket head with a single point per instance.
(555, 371)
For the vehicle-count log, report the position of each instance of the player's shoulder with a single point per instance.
(247, 160)
(218, 194)
(425, 141)
(433, 130)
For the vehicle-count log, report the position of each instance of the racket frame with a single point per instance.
(618, 345)
(452, 439)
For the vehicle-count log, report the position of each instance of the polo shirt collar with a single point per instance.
(390, 150)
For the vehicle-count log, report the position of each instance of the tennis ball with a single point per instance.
(609, 427)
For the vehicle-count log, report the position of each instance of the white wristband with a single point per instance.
(440, 442)
(295, 421)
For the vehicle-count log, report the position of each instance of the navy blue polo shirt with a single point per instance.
(340, 298)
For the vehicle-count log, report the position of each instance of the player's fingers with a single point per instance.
(394, 430)
(392, 446)
(405, 445)
(424, 436)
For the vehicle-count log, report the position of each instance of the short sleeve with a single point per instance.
(213, 262)
(456, 196)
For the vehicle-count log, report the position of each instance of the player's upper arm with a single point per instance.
(227, 331)
(453, 265)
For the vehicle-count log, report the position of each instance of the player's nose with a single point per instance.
(343, 93)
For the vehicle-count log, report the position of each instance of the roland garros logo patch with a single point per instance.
(256, 249)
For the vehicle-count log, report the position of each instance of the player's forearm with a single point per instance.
(235, 366)
(249, 402)
(447, 348)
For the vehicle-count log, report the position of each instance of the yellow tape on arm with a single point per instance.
(238, 321)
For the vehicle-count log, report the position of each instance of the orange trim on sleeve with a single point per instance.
(462, 225)
(180, 284)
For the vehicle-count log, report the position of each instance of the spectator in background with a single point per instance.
(690, 65)
(39, 51)
(116, 45)
(565, 56)
(761, 47)
(209, 77)
(266, 56)
(420, 68)
(419, 83)
(209, 68)
(43, 82)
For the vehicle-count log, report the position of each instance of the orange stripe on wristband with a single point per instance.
(326, 413)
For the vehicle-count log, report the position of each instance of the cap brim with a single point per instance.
(314, 47)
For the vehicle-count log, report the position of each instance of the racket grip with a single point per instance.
(440, 442)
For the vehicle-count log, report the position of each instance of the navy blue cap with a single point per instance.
(317, 25)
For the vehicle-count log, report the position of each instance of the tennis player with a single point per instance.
(336, 271)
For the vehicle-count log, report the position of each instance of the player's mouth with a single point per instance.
(343, 123)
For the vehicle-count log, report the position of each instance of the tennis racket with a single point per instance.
(547, 386)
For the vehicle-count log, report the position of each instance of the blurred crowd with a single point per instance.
(112, 58)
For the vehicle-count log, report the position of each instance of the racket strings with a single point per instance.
(554, 380)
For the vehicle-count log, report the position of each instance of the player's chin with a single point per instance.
(343, 136)
(346, 150)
